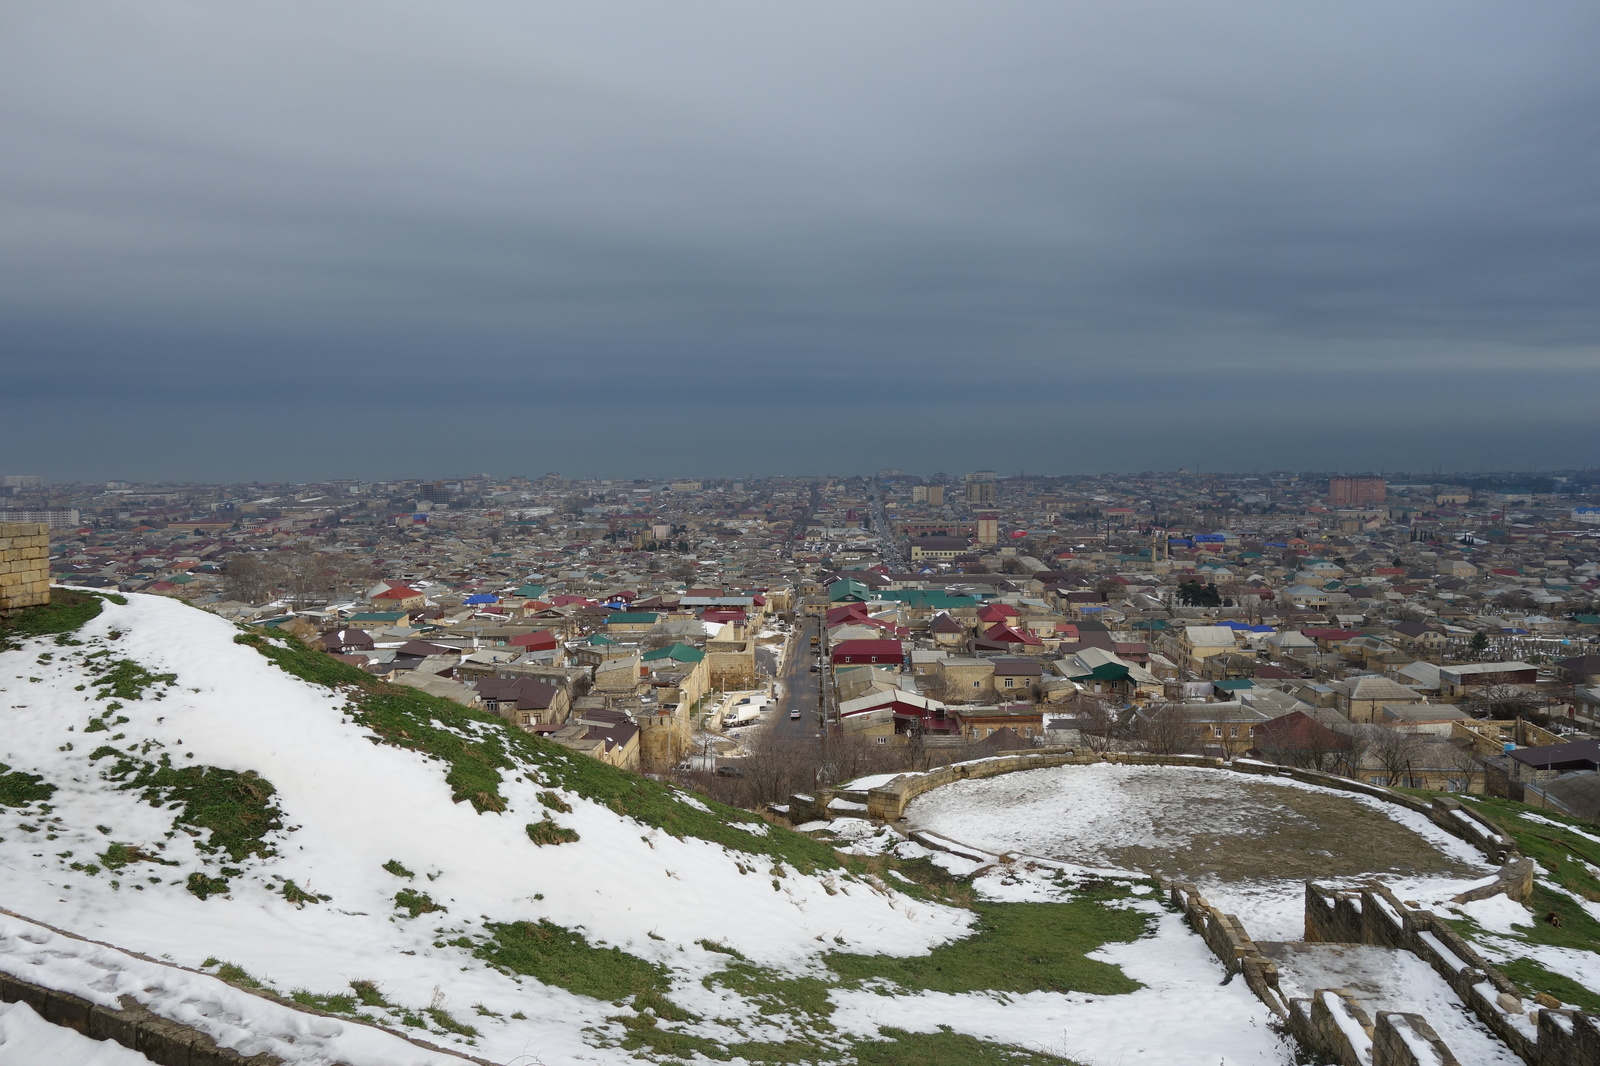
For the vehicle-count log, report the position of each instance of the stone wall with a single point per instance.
(24, 566)
(1538, 1035)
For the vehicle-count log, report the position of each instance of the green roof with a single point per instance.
(1233, 686)
(937, 599)
(677, 652)
(377, 616)
(848, 589)
(600, 638)
(532, 592)
(623, 617)
(1152, 624)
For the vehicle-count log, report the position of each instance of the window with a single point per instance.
(977, 684)
(883, 740)
(1233, 731)
(1379, 779)
(1456, 784)
(1008, 682)
(1216, 731)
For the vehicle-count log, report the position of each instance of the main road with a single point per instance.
(799, 686)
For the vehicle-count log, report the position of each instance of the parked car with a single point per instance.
(729, 771)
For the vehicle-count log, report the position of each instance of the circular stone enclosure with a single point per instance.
(1192, 824)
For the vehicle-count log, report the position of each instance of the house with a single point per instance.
(1104, 672)
(344, 641)
(606, 735)
(964, 680)
(908, 714)
(1298, 739)
(1198, 643)
(1465, 680)
(979, 722)
(631, 622)
(1015, 678)
(524, 701)
(399, 598)
(1580, 670)
(866, 652)
(1361, 698)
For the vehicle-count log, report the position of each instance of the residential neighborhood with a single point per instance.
(1439, 634)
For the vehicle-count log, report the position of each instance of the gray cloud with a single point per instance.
(591, 222)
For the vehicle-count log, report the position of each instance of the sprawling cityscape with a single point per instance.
(1389, 629)
(826, 534)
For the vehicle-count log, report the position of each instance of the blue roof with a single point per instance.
(482, 597)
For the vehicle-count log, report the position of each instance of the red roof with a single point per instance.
(543, 640)
(867, 651)
(398, 592)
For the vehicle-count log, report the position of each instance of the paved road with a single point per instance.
(800, 687)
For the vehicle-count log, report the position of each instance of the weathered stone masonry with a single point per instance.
(24, 566)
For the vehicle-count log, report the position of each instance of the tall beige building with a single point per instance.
(1356, 491)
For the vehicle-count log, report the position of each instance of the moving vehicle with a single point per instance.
(815, 640)
(795, 714)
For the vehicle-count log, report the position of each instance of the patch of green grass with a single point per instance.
(332, 1002)
(119, 855)
(1532, 977)
(125, 679)
(776, 993)
(65, 613)
(206, 887)
(946, 1048)
(644, 1033)
(444, 1020)
(555, 802)
(234, 975)
(300, 897)
(548, 832)
(1016, 947)
(563, 957)
(18, 789)
(236, 807)
(367, 992)
(394, 867)
(415, 903)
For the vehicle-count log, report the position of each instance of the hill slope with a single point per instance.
(241, 805)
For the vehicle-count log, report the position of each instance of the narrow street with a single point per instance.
(799, 687)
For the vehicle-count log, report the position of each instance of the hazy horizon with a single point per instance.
(284, 242)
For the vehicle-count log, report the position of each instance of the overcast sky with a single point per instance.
(292, 240)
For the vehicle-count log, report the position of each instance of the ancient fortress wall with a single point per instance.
(24, 565)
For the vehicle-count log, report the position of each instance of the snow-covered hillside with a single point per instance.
(268, 817)
(327, 827)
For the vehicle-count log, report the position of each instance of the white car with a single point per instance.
(795, 714)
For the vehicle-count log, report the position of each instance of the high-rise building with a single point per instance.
(988, 529)
(21, 481)
(1356, 491)
(980, 488)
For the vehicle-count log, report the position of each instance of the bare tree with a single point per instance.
(1462, 763)
(1396, 753)
(249, 577)
(1166, 729)
(1097, 722)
